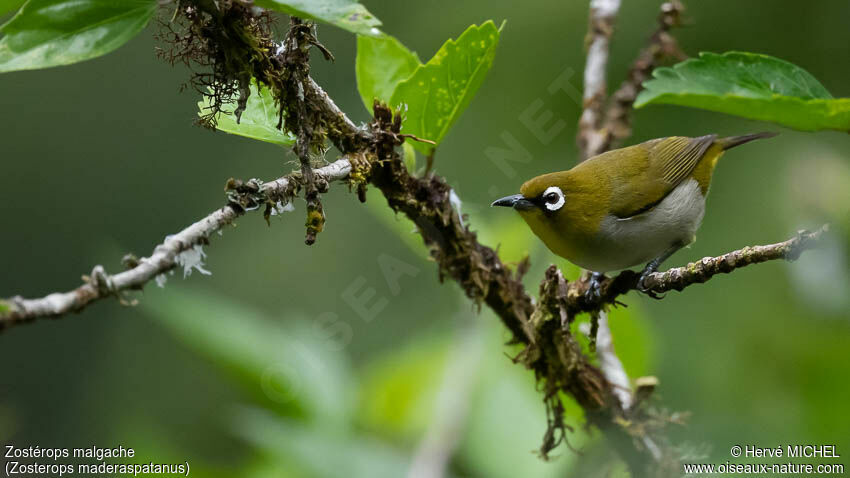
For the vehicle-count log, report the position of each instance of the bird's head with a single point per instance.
(549, 204)
(542, 195)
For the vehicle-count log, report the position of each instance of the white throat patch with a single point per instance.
(553, 198)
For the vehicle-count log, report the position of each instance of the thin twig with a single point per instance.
(415, 138)
(662, 45)
(296, 60)
(678, 278)
(603, 14)
(601, 127)
(163, 259)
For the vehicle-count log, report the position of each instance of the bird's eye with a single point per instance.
(553, 198)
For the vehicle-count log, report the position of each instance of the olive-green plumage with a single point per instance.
(626, 206)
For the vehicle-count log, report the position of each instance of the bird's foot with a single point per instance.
(641, 284)
(653, 266)
(594, 287)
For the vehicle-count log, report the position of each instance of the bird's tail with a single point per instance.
(731, 141)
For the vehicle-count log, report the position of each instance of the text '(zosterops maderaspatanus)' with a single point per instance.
(629, 206)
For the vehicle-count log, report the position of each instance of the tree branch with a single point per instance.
(296, 61)
(603, 14)
(165, 256)
(560, 301)
(573, 298)
(600, 127)
(678, 278)
(662, 45)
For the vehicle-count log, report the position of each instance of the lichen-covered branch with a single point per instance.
(573, 298)
(227, 45)
(551, 350)
(99, 284)
(698, 272)
(296, 61)
(678, 278)
(560, 301)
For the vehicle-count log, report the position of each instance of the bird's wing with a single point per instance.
(676, 156)
(666, 163)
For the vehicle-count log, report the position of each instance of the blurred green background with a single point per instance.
(265, 368)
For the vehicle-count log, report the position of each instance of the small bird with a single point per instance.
(626, 207)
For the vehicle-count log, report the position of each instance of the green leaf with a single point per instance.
(749, 85)
(7, 6)
(4, 307)
(382, 63)
(438, 92)
(287, 366)
(346, 14)
(48, 33)
(258, 121)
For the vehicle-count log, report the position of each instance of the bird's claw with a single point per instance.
(594, 288)
(643, 288)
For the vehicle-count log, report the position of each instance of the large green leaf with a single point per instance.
(289, 366)
(258, 121)
(346, 14)
(752, 86)
(382, 63)
(7, 6)
(438, 92)
(48, 33)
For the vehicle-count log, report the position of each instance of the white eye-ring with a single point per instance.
(553, 198)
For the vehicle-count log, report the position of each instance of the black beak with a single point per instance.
(517, 201)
